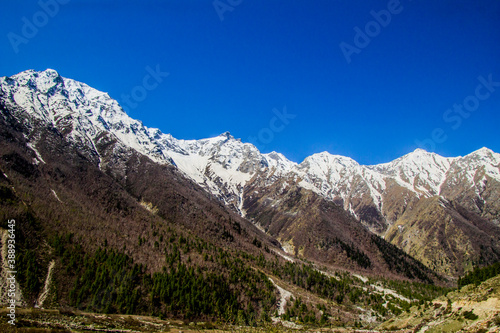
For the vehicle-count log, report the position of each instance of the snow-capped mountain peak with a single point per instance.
(225, 166)
(78, 110)
(419, 171)
(485, 154)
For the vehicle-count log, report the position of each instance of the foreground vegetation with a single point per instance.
(64, 321)
(479, 274)
(474, 307)
(239, 292)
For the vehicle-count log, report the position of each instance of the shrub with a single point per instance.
(470, 315)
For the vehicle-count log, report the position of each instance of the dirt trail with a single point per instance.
(284, 296)
(46, 287)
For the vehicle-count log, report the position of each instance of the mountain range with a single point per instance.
(82, 166)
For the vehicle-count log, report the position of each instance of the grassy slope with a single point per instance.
(470, 309)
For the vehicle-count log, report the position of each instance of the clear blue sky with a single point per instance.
(229, 75)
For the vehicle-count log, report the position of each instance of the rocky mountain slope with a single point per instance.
(95, 126)
(383, 198)
(387, 199)
(109, 218)
(98, 224)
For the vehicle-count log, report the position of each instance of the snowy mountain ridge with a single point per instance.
(225, 165)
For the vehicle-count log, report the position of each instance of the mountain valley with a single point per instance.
(114, 217)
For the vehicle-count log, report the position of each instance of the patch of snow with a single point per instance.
(279, 163)
(367, 316)
(284, 256)
(38, 155)
(362, 278)
(288, 247)
(390, 292)
(240, 204)
(55, 194)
